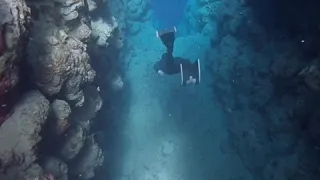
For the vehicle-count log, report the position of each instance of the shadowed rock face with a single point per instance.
(311, 75)
(20, 134)
(84, 115)
(14, 18)
(60, 111)
(74, 140)
(56, 167)
(60, 62)
(89, 158)
(56, 52)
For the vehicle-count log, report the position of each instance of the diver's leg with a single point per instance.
(167, 37)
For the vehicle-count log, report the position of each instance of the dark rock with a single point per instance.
(60, 111)
(20, 133)
(90, 157)
(74, 140)
(56, 167)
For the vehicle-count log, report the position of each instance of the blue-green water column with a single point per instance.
(167, 13)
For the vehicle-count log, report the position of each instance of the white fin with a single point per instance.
(181, 73)
(199, 70)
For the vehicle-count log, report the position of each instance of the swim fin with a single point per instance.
(167, 37)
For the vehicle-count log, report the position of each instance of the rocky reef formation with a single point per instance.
(14, 21)
(52, 39)
(59, 60)
(259, 77)
(56, 168)
(60, 112)
(20, 136)
(131, 14)
(102, 31)
(90, 157)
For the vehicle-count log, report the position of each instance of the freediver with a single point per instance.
(169, 65)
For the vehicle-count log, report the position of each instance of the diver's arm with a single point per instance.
(158, 67)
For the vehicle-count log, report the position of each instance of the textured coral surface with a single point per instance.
(20, 133)
(14, 20)
(54, 62)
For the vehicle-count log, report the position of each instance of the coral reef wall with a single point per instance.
(265, 81)
(47, 132)
(15, 16)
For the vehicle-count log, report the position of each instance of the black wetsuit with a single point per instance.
(171, 65)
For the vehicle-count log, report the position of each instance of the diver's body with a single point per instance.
(169, 65)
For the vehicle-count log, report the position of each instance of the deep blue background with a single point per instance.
(167, 13)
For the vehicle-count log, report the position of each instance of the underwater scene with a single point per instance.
(159, 90)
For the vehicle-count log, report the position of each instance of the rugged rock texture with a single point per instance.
(259, 79)
(20, 135)
(88, 160)
(74, 140)
(34, 171)
(130, 14)
(102, 30)
(56, 52)
(60, 111)
(69, 8)
(13, 23)
(56, 167)
(82, 32)
(84, 115)
(60, 62)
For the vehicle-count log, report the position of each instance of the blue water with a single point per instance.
(168, 13)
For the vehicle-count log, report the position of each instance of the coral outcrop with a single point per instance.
(69, 8)
(56, 168)
(20, 135)
(85, 115)
(82, 32)
(60, 111)
(88, 160)
(102, 31)
(60, 70)
(74, 140)
(60, 62)
(259, 78)
(14, 21)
